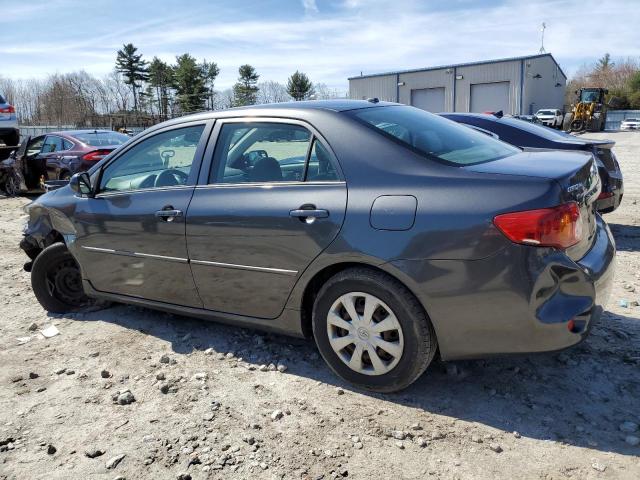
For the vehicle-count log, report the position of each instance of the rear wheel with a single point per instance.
(372, 331)
(57, 282)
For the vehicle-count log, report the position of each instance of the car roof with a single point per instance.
(71, 133)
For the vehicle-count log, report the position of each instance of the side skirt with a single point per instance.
(288, 323)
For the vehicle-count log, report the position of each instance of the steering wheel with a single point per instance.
(171, 177)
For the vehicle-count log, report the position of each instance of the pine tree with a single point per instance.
(210, 72)
(299, 86)
(161, 78)
(245, 90)
(189, 83)
(133, 69)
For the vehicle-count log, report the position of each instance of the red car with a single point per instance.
(58, 155)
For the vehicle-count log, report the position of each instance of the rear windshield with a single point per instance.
(537, 129)
(546, 112)
(101, 139)
(437, 138)
(627, 120)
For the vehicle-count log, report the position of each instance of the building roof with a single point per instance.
(442, 67)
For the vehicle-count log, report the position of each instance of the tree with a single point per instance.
(299, 86)
(210, 72)
(133, 68)
(246, 89)
(161, 79)
(189, 83)
(605, 64)
(272, 92)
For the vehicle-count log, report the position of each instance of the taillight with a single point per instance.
(95, 155)
(558, 227)
(9, 109)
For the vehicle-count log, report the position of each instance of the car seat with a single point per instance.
(266, 169)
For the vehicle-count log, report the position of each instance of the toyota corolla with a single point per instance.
(383, 232)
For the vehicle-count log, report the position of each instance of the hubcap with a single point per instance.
(365, 333)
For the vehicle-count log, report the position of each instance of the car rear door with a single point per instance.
(131, 235)
(272, 200)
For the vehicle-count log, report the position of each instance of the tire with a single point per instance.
(12, 185)
(64, 175)
(57, 282)
(568, 118)
(410, 332)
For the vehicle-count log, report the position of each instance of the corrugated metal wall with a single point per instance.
(382, 87)
(532, 84)
(615, 118)
(542, 92)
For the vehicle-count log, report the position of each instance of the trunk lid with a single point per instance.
(575, 172)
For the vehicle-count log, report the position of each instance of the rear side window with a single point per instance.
(261, 152)
(2, 100)
(432, 136)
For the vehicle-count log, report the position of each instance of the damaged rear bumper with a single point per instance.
(520, 300)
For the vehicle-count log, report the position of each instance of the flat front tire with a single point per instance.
(57, 282)
(372, 331)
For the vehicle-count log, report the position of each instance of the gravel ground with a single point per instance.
(132, 393)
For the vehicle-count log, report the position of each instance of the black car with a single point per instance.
(382, 231)
(530, 136)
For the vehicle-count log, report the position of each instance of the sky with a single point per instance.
(330, 40)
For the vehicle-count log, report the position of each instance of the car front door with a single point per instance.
(131, 234)
(272, 201)
(50, 155)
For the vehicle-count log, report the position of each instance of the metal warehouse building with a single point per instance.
(517, 86)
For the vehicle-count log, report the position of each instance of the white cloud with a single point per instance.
(368, 36)
(310, 6)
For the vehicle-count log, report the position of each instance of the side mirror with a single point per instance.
(81, 184)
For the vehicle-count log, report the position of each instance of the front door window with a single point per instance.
(163, 160)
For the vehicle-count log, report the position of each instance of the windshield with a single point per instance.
(589, 96)
(101, 139)
(434, 136)
(546, 112)
(632, 120)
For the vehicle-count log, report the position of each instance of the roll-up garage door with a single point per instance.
(490, 97)
(429, 99)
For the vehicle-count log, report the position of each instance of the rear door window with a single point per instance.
(261, 152)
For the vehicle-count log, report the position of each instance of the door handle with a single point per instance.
(168, 214)
(309, 213)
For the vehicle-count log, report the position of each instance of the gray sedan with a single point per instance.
(385, 233)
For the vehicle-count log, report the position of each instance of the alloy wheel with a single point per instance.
(365, 333)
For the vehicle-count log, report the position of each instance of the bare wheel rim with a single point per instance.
(64, 283)
(365, 333)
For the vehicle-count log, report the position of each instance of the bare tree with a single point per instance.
(272, 92)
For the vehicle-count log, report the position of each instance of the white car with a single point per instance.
(630, 124)
(550, 117)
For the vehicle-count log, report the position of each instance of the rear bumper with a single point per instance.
(615, 187)
(520, 300)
